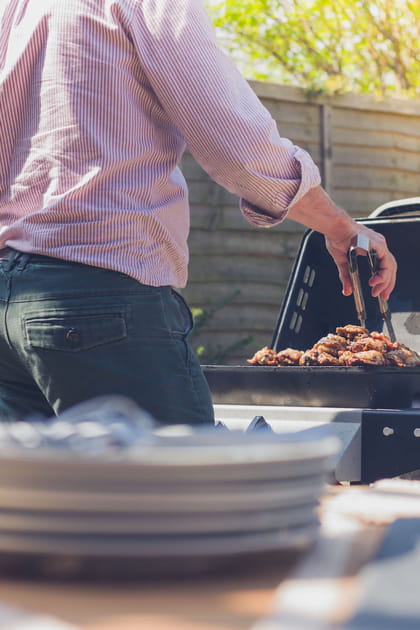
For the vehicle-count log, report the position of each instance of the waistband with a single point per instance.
(13, 258)
(5, 253)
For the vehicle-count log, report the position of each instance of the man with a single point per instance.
(98, 100)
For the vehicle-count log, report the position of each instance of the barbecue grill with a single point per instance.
(373, 409)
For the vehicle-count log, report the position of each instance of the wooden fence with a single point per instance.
(368, 153)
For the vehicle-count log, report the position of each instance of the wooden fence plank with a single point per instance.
(254, 243)
(296, 113)
(374, 139)
(232, 344)
(363, 102)
(247, 317)
(205, 217)
(385, 160)
(203, 295)
(239, 269)
(376, 121)
(388, 180)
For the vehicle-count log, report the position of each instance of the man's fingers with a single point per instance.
(383, 281)
(345, 279)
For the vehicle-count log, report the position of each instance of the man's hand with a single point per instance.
(317, 211)
(383, 282)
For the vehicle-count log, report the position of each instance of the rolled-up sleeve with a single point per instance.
(225, 126)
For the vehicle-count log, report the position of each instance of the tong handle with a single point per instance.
(362, 242)
(373, 264)
(356, 284)
(383, 304)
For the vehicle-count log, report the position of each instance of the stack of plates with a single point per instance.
(198, 496)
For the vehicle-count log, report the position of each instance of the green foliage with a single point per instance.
(202, 319)
(329, 46)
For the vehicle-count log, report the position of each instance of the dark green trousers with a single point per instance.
(70, 332)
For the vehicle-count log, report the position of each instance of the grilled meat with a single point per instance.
(364, 344)
(324, 358)
(309, 357)
(289, 356)
(382, 336)
(367, 357)
(265, 356)
(352, 332)
(351, 345)
(345, 357)
(332, 344)
(402, 356)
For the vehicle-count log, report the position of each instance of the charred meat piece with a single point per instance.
(345, 357)
(324, 358)
(331, 344)
(309, 357)
(382, 337)
(369, 357)
(289, 356)
(265, 356)
(402, 356)
(363, 344)
(352, 332)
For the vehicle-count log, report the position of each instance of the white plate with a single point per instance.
(146, 524)
(99, 475)
(166, 547)
(151, 498)
(216, 455)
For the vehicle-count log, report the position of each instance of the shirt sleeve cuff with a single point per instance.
(292, 191)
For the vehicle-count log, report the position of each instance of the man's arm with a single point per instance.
(233, 136)
(224, 124)
(318, 211)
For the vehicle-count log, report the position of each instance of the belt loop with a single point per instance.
(21, 260)
(11, 259)
(17, 260)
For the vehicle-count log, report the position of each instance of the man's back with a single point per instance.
(99, 99)
(83, 137)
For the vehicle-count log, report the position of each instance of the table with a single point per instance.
(322, 587)
(230, 601)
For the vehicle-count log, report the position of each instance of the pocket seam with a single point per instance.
(114, 329)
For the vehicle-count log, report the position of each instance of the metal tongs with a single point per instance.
(361, 242)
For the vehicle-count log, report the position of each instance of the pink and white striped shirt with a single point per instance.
(98, 100)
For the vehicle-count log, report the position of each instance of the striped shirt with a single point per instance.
(98, 101)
